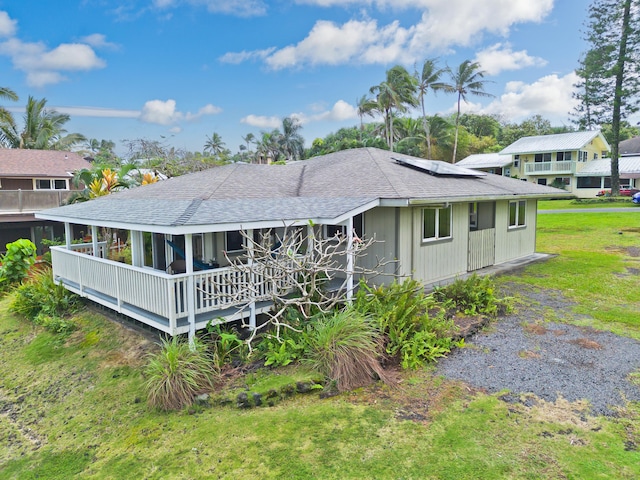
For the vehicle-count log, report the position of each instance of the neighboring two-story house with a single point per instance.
(556, 160)
(30, 181)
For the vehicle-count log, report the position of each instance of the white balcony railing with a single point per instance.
(537, 168)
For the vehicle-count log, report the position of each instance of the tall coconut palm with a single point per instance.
(214, 144)
(428, 79)
(365, 106)
(467, 79)
(290, 140)
(395, 94)
(43, 129)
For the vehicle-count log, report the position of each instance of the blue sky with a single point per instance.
(179, 70)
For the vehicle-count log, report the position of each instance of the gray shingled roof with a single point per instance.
(628, 167)
(485, 160)
(323, 187)
(26, 163)
(552, 143)
(630, 146)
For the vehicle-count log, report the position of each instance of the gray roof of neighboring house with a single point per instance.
(628, 167)
(322, 187)
(27, 163)
(630, 146)
(552, 143)
(485, 160)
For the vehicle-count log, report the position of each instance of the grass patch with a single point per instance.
(595, 202)
(595, 268)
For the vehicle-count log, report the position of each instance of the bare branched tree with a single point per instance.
(296, 270)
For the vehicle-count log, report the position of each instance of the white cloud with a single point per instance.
(208, 109)
(549, 96)
(340, 112)
(98, 112)
(499, 57)
(353, 42)
(239, 57)
(43, 66)
(98, 40)
(70, 56)
(442, 25)
(7, 25)
(261, 121)
(159, 112)
(165, 113)
(241, 8)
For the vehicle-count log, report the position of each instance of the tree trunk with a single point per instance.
(617, 98)
(427, 133)
(455, 142)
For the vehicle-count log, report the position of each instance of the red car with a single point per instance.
(624, 192)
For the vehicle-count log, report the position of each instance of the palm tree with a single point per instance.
(394, 95)
(290, 140)
(43, 129)
(214, 144)
(428, 79)
(6, 94)
(365, 106)
(467, 79)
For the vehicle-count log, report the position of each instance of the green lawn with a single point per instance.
(587, 204)
(74, 406)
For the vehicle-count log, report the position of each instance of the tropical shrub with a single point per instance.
(280, 347)
(416, 329)
(345, 348)
(473, 296)
(226, 345)
(15, 263)
(177, 373)
(47, 304)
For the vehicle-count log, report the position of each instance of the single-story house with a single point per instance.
(30, 181)
(556, 159)
(433, 220)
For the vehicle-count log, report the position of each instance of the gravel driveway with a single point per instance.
(524, 354)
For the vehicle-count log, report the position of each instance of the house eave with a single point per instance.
(211, 228)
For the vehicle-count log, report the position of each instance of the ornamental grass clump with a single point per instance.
(177, 373)
(345, 348)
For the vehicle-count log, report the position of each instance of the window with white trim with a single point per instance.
(234, 241)
(516, 161)
(436, 223)
(50, 184)
(517, 213)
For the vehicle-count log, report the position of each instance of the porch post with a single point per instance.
(349, 259)
(252, 280)
(94, 240)
(191, 291)
(310, 235)
(67, 235)
(137, 248)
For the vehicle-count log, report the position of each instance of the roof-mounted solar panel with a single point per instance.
(438, 168)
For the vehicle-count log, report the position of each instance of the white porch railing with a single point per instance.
(121, 286)
(549, 167)
(87, 248)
